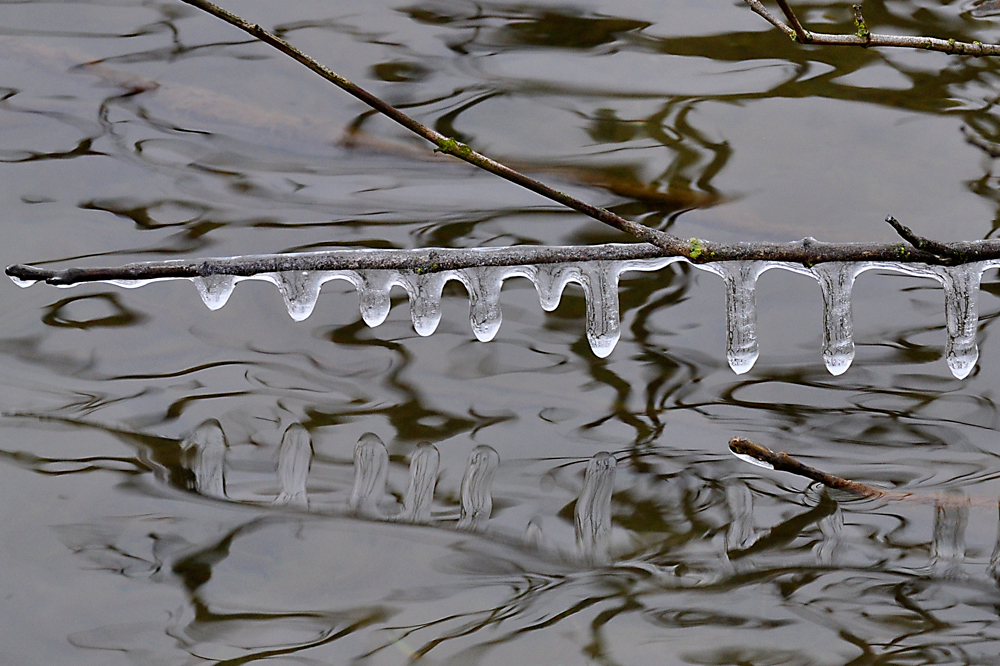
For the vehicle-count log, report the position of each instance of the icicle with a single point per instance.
(373, 294)
(483, 284)
(424, 291)
(300, 289)
(423, 477)
(592, 516)
(215, 290)
(477, 488)
(550, 280)
(371, 469)
(294, 459)
(741, 310)
(23, 284)
(961, 293)
(600, 284)
(204, 452)
(836, 280)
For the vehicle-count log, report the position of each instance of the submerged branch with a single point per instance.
(863, 37)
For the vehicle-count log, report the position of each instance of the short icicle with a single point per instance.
(961, 295)
(477, 488)
(741, 310)
(836, 280)
(424, 290)
(483, 284)
(373, 294)
(550, 280)
(294, 459)
(419, 495)
(300, 289)
(215, 290)
(371, 471)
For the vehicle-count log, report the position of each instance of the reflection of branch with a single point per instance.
(865, 38)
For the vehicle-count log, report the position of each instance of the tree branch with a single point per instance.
(446, 144)
(865, 38)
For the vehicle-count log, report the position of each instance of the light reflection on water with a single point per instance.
(714, 127)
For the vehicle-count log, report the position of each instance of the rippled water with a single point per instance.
(138, 532)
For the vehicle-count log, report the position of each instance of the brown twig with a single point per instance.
(446, 144)
(865, 38)
(800, 32)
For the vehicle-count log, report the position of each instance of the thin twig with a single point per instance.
(923, 244)
(800, 32)
(446, 144)
(865, 38)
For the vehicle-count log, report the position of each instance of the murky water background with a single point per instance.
(190, 140)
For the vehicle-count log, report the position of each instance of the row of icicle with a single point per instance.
(599, 280)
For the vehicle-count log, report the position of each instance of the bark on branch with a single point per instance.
(863, 37)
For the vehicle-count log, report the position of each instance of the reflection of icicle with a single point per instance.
(215, 290)
(836, 280)
(477, 488)
(423, 477)
(205, 455)
(948, 545)
(373, 294)
(533, 537)
(592, 517)
(300, 289)
(294, 458)
(424, 290)
(741, 310)
(961, 293)
(371, 470)
(739, 499)
(994, 567)
(831, 527)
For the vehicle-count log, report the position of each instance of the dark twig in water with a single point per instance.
(863, 37)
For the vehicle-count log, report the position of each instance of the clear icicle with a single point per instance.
(592, 516)
(215, 290)
(836, 280)
(300, 289)
(961, 294)
(294, 459)
(550, 280)
(373, 294)
(423, 477)
(371, 470)
(477, 488)
(741, 310)
(424, 291)
(204, 452)
(483, 284)
(600, 285)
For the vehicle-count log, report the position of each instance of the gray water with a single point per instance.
(124, 542)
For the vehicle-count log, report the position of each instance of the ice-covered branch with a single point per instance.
(863, 37)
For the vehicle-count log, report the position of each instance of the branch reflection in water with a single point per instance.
(205, 457)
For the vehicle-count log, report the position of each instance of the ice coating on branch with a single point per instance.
(741, 310)
(371, 470)
(836, 280)
(961, 315)
(373, 294)
(215, 290)
(477, 488)
(294, 459)
(419, 495)
(592, 515)
(204, 453)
